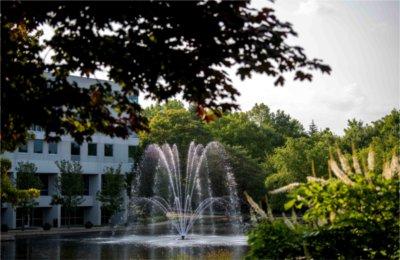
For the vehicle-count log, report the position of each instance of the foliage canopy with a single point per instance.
(161, 48)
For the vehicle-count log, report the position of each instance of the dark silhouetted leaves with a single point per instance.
(159, 48)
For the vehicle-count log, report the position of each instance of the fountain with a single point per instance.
(185, 196)
(200, 200)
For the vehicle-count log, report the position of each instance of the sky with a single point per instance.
(358, 39)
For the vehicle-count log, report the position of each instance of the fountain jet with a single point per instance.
(183, 198)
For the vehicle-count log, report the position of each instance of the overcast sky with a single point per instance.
(358, 39)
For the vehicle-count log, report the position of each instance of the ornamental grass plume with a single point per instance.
(286, 188)
(386, 172)
(339, 173)
(371, 160)
(257, 209)
(395, 165)
(316, 179)
(356, 163)
(344, 162)
(392, 169)
(344, 171)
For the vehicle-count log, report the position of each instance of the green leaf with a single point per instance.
(289, 204)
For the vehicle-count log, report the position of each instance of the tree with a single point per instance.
(27, 179)
(383, 135)
(356, 134)
(295, 160)
(237, 130)
(387, 135)
(173, 123)
(248, 172)
(312, 129)
(260, 114)
(160, 48)
(111, 194)
(285, 125)
(70, 187)
(9, 193)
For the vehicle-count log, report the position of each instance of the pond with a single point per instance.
(155, 241)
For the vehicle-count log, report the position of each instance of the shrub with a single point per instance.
(352, 216)
(358, 219)
(275, 240)
(355, 241)
(46, 226)
(4, 228)
(88, 225)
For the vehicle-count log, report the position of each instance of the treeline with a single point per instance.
(270, 149)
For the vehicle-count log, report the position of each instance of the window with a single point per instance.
(44, 178)
(19, 213)
(92, 149)
(131, 152)
(53, 148)
(86, 184)
(38, 146)
(108, 150)
(37, 217)
(75, 149)
(76, 216)
(23, 148)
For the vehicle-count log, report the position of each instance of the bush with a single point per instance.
(355, 241)
(46, 226)
(353, 216)
(275, 240)
(4, 228)
(88, 225)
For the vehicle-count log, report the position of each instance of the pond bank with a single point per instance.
(12, 234)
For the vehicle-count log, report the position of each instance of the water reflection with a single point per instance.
(144, 242)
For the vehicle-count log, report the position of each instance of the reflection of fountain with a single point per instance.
(184, 198)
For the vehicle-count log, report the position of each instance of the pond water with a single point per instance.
(157, 241)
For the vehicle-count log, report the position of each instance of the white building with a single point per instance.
(94, 157)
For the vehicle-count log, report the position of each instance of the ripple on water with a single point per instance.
(174, 241)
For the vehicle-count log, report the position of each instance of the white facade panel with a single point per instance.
(93, 165)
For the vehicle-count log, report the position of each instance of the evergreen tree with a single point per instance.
(312, 128)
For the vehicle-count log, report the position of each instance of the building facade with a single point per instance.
(100, 153)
